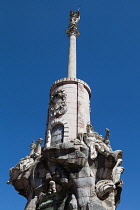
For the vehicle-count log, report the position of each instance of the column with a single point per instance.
(72, 57)
(72, 32)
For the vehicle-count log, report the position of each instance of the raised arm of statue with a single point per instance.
(78, 15)
(74, 17)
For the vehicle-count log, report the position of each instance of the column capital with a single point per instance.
(73, 25)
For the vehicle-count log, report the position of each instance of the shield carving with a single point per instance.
(58, 103)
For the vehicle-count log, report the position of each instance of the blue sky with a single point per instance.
(34, 53)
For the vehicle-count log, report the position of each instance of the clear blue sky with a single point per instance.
(33, 54)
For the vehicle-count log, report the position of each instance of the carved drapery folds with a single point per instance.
(58, 104)
(83, 173)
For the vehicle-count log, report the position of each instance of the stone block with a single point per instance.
(96, 206)
(72, 111)
(72, 94)
(84, 172)
(84, 182)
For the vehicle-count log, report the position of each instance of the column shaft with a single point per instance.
(72, 57)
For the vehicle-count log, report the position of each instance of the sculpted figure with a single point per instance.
(73, 25)
(90, 141)
(117, 171)
(103, 147)
(32, 148)
(107, 142)
(52, 187)
(97, 143)
(38, 147)
(74, 17)
(23, 165)
(107, 134)
(89, 128)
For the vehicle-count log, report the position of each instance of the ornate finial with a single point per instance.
(73, 25)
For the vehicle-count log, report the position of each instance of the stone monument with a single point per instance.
(77, 168)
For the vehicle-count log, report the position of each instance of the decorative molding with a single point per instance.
(51, 126)
(70, 81)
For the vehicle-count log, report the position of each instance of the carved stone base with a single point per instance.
(81, 174)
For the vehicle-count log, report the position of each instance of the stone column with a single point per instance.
(72, 32)
(72, 57)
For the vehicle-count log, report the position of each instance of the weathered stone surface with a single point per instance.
(77, 168)
(66, 175)
(96, 206)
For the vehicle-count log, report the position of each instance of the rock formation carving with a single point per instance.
(70, 175)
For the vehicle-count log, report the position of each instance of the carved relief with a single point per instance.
(116, 172)
(96, 143)
(83, 173)
(52, 187)
(104, 187)
(58, 104)
(26, 163)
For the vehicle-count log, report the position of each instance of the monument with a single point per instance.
(77, 168)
